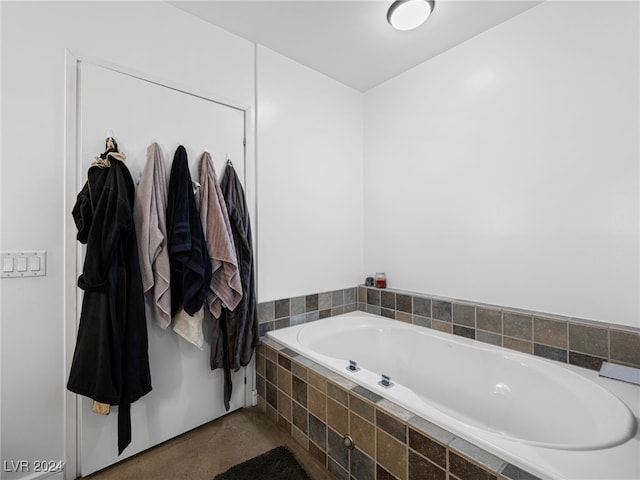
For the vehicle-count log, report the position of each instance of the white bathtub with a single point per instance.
(522, 408)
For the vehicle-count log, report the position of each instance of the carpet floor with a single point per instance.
(211, 449)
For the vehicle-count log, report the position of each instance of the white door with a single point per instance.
(186, 393)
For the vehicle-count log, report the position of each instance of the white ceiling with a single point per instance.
(351, 41)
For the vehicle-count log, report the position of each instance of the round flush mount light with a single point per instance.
(409, 14)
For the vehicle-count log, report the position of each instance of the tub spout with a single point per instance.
(386, 381)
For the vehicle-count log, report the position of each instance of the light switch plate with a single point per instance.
(26, 263)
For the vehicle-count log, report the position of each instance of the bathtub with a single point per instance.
(540, 415)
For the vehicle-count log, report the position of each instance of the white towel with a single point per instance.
(226, 286)
(190, 327)
(149, 214)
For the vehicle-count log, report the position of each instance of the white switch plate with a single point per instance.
(28, 263)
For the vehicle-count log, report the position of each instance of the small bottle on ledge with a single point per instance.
(380, 280)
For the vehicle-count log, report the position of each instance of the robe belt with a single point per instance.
(98, 287)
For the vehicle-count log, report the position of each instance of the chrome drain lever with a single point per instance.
(386, 381)
(353, 366)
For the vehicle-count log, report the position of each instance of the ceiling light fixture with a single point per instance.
(409, 14)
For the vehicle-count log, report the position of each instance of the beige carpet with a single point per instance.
(211, 449)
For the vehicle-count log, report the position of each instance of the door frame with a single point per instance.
(74, 254)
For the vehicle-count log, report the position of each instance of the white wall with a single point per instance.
(309, 150)
(154, 38)
(505, 170)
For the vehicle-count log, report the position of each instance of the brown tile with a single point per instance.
(550, 332)
(466, 332)
(300, 437)
(489, 320)
(271, 372)
(428, 448)
(284, 424)
(421, 469)
(362, 408)
(337, 416)
(299, 417)
(284, 406)
(391, 425)
(284, 361)
(271, 354)
(517, 344)
(282, 308)
(272, 395)
(260, 365)
(265, 312)
(625, 347)
(404, 317)
(317, 453)
(311, 302)
(382, 474)
(388, 313)
(441, 326)
(340, 395)
(317, 381)
(465, 470)
(260, 385)
(373, 297)
(388, 299)
(391, 454)
(299, 371)
(299, 391)
(403, 303)
(585, 361)
(464, 315)
(517, 325)
(284, 380)
(262, 404)
(362, 466)
(588, 339)
(363, 434)
(362, 295)
(337, 471)
(336, 448)
(318, 432)
(317, 403)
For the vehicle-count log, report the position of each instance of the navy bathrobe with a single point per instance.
(239, 327)
(188, 254)
(110, 363)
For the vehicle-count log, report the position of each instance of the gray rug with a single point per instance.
(275, 464)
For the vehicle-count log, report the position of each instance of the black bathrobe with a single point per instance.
(110, 362)
(188, 254)
(238, 328)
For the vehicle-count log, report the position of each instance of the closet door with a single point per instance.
(186, 393)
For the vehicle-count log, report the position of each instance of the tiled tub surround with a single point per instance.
(579, 342)
(286, 312)
(583, 343)
(318, 407)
